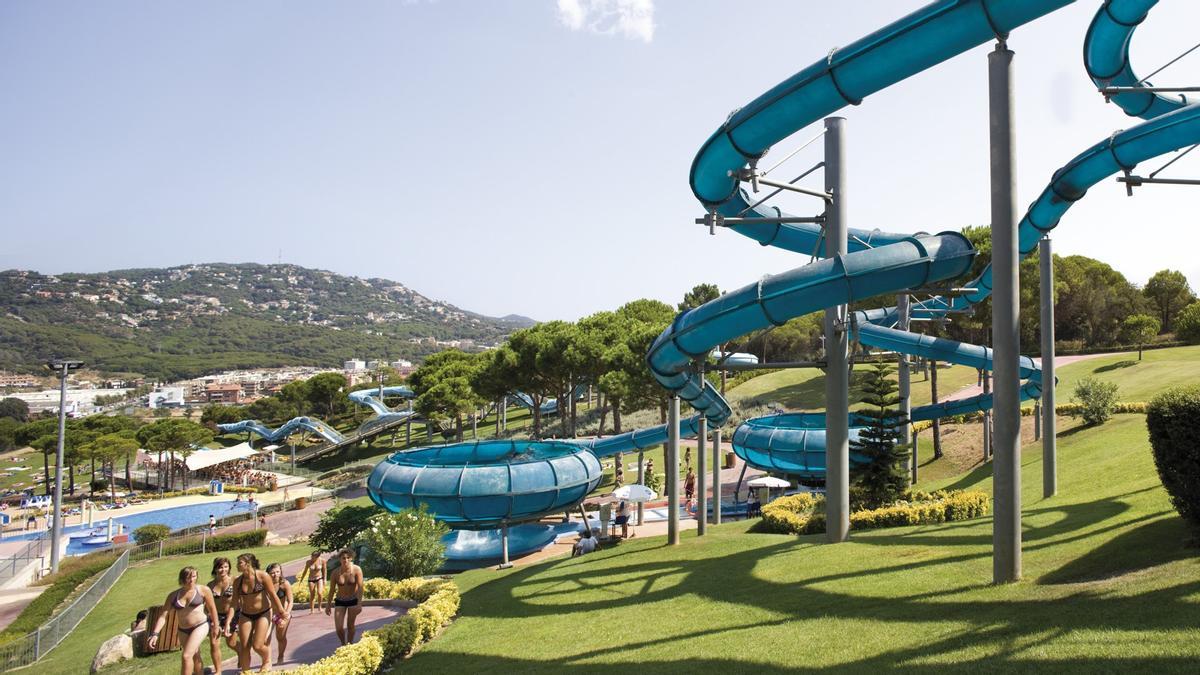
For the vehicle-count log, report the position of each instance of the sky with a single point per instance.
(515, 156)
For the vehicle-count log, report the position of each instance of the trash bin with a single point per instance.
(301, 502)
(730, 459)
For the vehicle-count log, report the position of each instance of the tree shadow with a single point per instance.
(1115, 366)
(1150, 544)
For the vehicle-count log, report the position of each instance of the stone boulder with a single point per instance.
(114, 650)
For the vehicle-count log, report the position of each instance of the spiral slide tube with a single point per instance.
(287, 429)
(877, 263)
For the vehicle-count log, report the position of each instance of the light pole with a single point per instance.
(62, 367)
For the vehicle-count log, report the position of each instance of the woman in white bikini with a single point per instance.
(195, 613)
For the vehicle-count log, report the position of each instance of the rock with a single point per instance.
(114, 650)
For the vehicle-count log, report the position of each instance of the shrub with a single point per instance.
(804, 513)
(422, 622)
(1173, 419)
(148, 534)
(1187, 324)
(364, 657)
(405, 544)
(338, 528)
(1096, 399)
(237, 540)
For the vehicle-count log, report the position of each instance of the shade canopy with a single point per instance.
(211, 457)
(769, 482)
(634, 492)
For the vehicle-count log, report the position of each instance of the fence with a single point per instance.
(29, 648)
(32, 551)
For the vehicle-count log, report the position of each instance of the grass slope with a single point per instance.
(141, 586)
(1110, 586)
(804, 388)
(1138, 380)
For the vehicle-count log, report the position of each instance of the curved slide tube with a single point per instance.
(368, 398)
(287, 429)
(550, 405)
(877, 262)
(882, 58)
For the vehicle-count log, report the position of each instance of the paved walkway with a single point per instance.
(13, 601)
(311, 637)
(1059, 361)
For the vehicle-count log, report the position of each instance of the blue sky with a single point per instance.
(511, 156)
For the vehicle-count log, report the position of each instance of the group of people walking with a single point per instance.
(250, 608)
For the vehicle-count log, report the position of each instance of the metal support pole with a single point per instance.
(1037, 420)
(987, 414)
(672, 469)
(641, 506)
(1006, 332)
(837, 376)
(1049, 422)
(916, 442)
(504, 563)
(701, 478)
(56, 505)
(905, 381)
(716, 476)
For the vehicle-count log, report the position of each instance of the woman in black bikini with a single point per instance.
(195, 612)
(283, 589)
(222, 592)
(346, 593)
(254, 598)
(316, 570)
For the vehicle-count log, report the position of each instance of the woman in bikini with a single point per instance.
(222, 592)
(346, 595)
(316, 570)
(283, 589)
(195, 612)
(254, 598)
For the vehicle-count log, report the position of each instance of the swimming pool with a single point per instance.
(175, 517)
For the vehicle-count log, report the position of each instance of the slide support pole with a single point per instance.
(672, 469)
(837, 376)
(1006, 335)
(1049, 442)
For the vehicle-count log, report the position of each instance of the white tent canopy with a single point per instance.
(204, 458)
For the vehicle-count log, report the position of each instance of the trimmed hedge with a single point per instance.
(438, 603)
(1173, 420)
(804, 513)
(148, 534)
(39, 610)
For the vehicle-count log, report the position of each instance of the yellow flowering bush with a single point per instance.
(364, 657)
(804, 513)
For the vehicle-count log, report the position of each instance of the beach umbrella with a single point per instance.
(769, 482)
(634, 493)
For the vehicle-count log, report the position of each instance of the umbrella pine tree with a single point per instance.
(881, 476)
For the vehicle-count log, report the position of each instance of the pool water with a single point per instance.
(176, 518)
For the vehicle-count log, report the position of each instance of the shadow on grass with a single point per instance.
(1116, 366)
(1006, 625)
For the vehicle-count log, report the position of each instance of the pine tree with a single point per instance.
(881, 476)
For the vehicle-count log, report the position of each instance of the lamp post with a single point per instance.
(62, 367)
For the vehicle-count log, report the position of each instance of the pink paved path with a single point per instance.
(975, 389)
(311, 637)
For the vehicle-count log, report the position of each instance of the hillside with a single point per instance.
(183, 321)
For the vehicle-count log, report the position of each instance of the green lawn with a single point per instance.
(804, 388)
(141, 586)
(1138, 381)
(1110, 587)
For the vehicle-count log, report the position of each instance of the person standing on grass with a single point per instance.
(283, 589)
(195, 613)
(316, 570)
(345, 592)
(222, 592)
(254, 599)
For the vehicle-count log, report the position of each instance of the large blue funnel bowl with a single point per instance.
(486, 484)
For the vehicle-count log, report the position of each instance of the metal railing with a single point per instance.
(9, 567)
(29, 648)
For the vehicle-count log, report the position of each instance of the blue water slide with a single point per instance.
(370, 399)
(287, 429)
(550, 405)
(877, 262)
